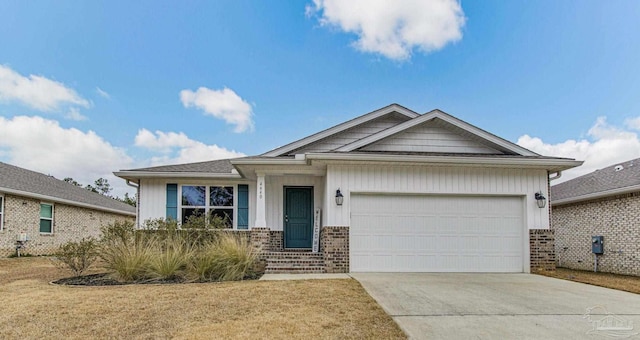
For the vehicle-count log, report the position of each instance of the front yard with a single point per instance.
(33, 308)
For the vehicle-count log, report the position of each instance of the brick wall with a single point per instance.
(334, 244)
(276, 240)
(70, 223)
(616, 218)
(542, 250)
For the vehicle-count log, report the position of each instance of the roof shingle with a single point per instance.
(16, 178)
(619, 175)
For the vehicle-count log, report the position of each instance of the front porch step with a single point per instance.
(294, 262)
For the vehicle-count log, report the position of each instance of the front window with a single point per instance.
(213, 201)
(46, 218)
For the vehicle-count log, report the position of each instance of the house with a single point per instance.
(389, 191)
(604, 203)
(50, 212)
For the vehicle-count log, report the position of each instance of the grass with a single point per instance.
(233, 310)
(614, 281)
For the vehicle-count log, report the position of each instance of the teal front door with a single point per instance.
(298, 217)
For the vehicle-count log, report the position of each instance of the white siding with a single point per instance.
(353, 134)
(153, 199)
(153, 196)
(435, 180)
(430, 137)
(274, 199)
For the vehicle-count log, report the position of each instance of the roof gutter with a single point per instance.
(546, 163)
(64, 201)
(596, 195)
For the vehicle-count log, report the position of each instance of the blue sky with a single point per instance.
(90, 87)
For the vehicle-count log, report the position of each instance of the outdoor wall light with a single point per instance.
(339, 197)
(541, 200)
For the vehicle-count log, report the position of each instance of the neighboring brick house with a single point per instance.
(603, 203)
(50, 211)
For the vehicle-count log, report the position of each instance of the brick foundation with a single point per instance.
(617, 218)
(542, 250)
(334, 244)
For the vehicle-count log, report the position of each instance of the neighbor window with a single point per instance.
(213, 201)
(1, 211)
(46, 218)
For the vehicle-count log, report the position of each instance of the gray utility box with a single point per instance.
(597, 244)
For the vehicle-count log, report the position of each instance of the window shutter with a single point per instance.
(172, 201)
(243, 206)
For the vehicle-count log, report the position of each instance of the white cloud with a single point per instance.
(605, 146)
(179, 148)
(42, 145)
(223, 104)
(394, 28)
(103, 93)
(633, 123)
(37, 92)
(74, 114)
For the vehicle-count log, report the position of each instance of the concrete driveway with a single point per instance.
(502, 306)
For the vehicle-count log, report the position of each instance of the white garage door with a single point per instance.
(411, 233)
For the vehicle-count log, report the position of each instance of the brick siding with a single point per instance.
(542, 250)
(334, 244)
(616, 218)
(70, 223)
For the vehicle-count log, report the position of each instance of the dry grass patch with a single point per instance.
(247, 309)
(614, 281)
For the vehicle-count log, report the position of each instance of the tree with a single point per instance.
(102, 186)
(132, 201)
(72, 181)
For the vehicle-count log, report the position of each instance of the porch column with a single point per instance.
(261, 219)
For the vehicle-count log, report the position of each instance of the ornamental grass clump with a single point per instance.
(233, 257)
(126, 251)
(170, 258)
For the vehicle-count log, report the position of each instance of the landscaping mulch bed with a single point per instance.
(105, 279)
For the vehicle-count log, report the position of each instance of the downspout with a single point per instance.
(137, 186)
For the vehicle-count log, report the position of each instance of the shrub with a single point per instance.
(76, 256)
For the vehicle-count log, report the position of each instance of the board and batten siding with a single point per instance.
(353, 134)
(274, 199)
(153, 196)
(430, 137)
(435, 180)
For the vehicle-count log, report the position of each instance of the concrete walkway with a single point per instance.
(502, 306)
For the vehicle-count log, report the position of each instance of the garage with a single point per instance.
(436, 233)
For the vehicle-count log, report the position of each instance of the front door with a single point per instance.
(298, 217)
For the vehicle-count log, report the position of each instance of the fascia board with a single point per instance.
(546, 163)
(63, 201)
(341, 127)
(149, 174)
(596, 195)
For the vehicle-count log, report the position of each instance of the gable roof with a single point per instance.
(613, 180)
(393, 108)
(23, 182)
(484, 136)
